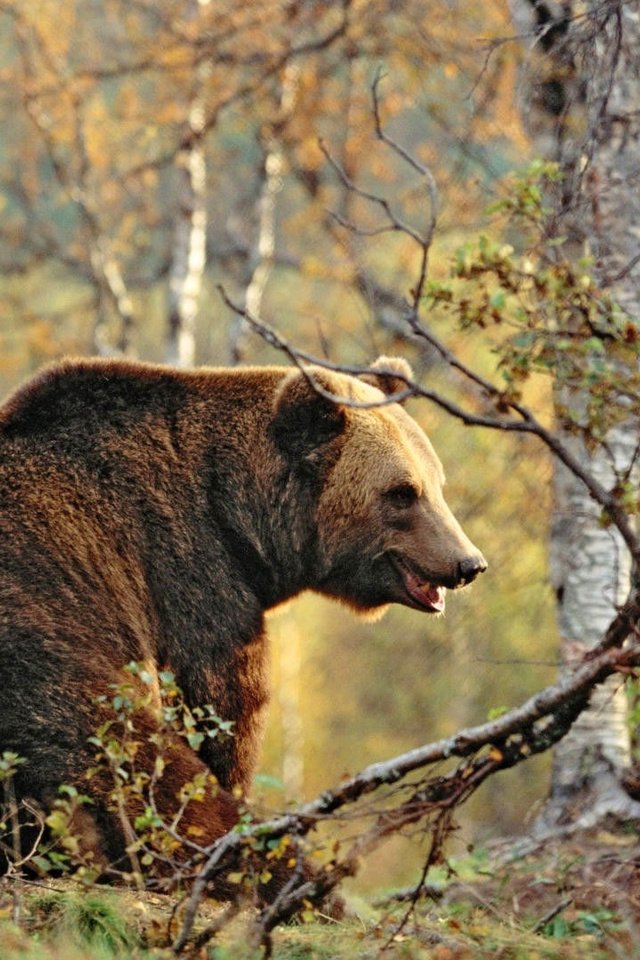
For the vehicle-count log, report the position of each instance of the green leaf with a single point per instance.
(265, 780)
(524, 339)
(496, 712)
(195, 740)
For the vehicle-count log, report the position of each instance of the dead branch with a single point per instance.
(393, 223)
(551, 914)
(531, 728)
(432, 190)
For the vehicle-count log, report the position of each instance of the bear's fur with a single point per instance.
(154, 515)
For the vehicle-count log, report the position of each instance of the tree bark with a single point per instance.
(261, 257)
(190, 230)
(582, 88)
(591, 574)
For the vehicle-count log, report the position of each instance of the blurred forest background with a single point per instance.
(152, 149)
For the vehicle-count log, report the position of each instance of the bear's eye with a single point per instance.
(403, 496)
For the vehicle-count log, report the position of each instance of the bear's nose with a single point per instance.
(470, 567)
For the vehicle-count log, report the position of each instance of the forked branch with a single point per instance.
(524, 422)
(531, 728)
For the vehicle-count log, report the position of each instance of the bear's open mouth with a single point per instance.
(424, 594)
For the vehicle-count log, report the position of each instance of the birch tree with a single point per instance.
(581, 91)
(189, 254)
(262, 253)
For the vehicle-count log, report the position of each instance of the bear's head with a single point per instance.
(383, 530)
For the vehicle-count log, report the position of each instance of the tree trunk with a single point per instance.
(591, 573)
(190, 230)
(112, 291)
(583, 89)
(262, 253)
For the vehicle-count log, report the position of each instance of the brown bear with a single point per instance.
(152, 514)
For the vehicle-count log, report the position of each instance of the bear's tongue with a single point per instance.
(428, 596)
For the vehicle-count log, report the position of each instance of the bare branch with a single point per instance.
(527, 423)
(432, 189)
(530, 728)
(301, 357)
(395, 223)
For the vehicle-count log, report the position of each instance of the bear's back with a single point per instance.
(86, 397)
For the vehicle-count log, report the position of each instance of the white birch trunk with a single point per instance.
(190, 231)
(591, 573)
(584, 81)
(261, 259)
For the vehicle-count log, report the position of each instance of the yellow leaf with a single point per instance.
(312, 267)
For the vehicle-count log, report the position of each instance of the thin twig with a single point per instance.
(551, 914)
(426, 239)
(394, 221)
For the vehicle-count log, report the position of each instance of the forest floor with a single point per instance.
(572, 899)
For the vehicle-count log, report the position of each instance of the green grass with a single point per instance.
(68, 925)
(560, 904)
(69, 928)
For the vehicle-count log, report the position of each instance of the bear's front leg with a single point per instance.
(236, 685)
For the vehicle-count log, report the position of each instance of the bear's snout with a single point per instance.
(470, 567)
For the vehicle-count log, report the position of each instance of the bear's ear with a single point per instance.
(389, 374)
(304, 420)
